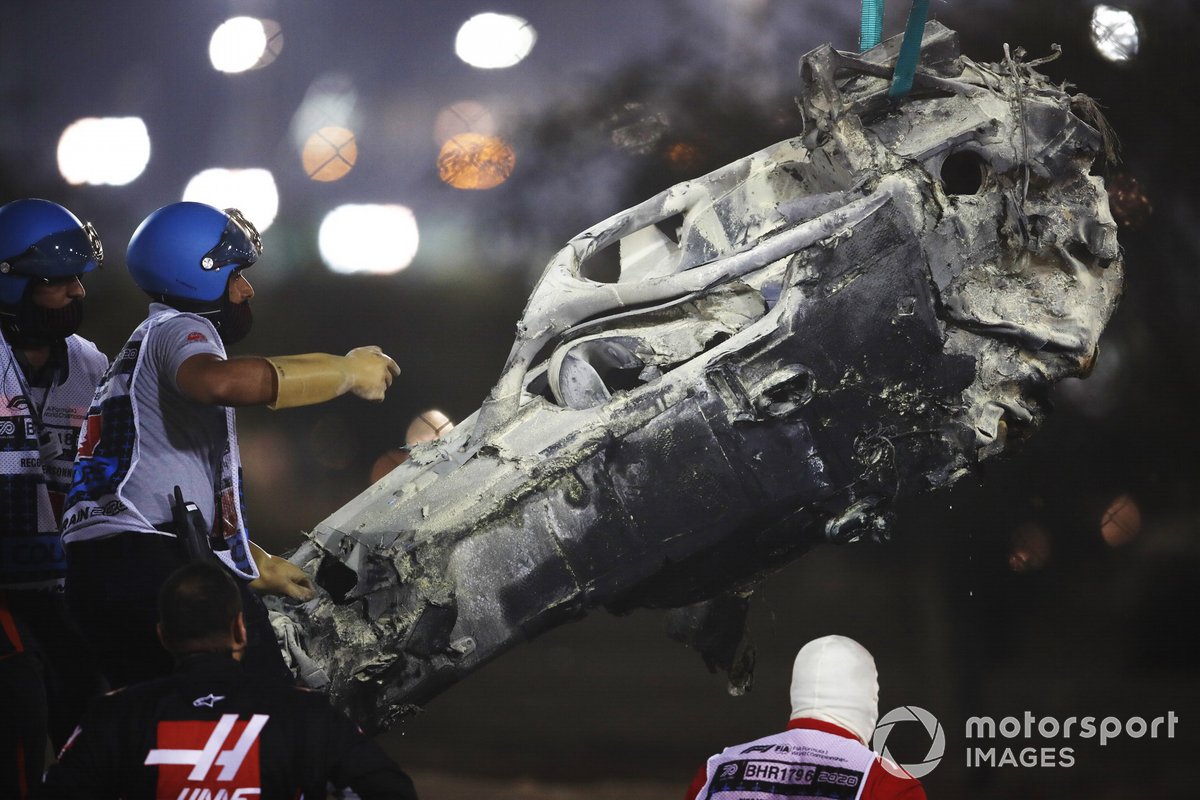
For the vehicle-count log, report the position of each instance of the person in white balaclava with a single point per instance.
(835, 704)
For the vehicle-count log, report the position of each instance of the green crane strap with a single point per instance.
(871, 32)
(910, 49)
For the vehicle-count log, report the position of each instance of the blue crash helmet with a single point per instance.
(42, 240)
(188, 251)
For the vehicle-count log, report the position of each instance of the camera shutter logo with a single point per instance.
(937, 740)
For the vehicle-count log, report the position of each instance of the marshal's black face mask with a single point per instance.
(232, 320)
(33, 325)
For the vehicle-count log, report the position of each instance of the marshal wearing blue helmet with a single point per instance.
(162, 418)
(46, 383)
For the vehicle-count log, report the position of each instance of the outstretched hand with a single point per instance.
(371, 371)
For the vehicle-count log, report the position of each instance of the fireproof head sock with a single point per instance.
(834, 680)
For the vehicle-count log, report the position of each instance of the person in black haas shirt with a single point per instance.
(212, 729)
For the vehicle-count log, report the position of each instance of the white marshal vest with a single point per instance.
(109, 451)
(39, 431)
(798, 764)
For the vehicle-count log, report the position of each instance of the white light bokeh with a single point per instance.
(109, 151)
(251, 191)
(237, 44)
(1115, 33)
(494, 41)
(370, 239)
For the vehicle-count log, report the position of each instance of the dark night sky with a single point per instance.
(1096, 630)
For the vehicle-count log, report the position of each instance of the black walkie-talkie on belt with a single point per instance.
(189, 527)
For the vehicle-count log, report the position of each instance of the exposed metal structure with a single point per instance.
(796, 339)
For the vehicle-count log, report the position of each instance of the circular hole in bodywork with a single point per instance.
(963, 172)
(336, 578)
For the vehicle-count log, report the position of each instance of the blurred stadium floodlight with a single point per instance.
(252, 191)
(104, 151)
(370, 239)
(240, 44)
(494, 41)
(1115, 33)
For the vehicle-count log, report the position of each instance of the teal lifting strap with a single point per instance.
(872, 24)
(910, 50)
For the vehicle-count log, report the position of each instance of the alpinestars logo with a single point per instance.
(222, 756)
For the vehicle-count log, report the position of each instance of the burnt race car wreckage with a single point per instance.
(795, 340)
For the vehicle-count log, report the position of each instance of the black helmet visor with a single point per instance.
(66, 253)
(239, 244)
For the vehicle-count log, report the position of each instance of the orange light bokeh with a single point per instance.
(387, 462)
(425, 427)
(1128, 201)
(330, 154)
(1121, 522)
(684, 157)
(475, 161)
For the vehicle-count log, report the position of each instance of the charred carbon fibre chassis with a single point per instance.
(796, 339)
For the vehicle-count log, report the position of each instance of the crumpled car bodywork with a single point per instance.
(795, 340)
